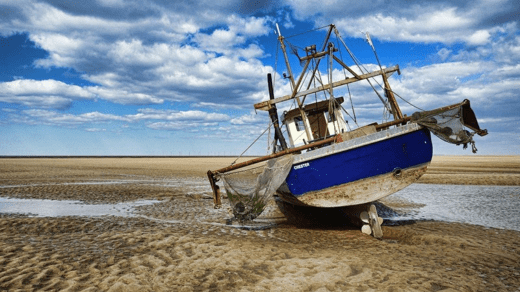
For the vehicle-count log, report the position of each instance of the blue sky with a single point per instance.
(114, 77)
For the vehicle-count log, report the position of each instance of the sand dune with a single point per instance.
(183, 244)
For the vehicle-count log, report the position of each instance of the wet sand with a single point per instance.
(183, 244)
(474, 170)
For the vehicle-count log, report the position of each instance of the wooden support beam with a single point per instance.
(347, 67)
(406, 119)
(275, 155)
(266, 105)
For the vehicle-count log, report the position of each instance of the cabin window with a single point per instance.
(299, 124)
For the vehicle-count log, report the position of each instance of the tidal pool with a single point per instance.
(490, 206)
(58, 208)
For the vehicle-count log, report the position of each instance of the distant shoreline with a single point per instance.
(198, 156)
(121, 156)
(455, 170)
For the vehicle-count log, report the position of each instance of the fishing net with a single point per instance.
(448, 124)
(248, 191)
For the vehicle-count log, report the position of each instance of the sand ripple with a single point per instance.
(118, 254)
(183, 244)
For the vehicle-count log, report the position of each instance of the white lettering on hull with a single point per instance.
(296, 167)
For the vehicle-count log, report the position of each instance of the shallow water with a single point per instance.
(490, 206)
(57, 208)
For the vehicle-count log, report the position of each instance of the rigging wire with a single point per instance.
(318, 119)
(268, 127)
(305, 32)
(269, 140)
(348, 87)
(351, 104)
(407, 101)
(365, 70)
(360, 66)
(341, 57)
(275, 66)
(313, 65)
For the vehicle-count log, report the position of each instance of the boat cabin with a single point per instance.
(320, 122)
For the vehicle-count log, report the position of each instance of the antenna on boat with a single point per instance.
(396, 111)
(278, 29)
(281, 38)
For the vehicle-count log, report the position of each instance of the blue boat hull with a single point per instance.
(361, 174)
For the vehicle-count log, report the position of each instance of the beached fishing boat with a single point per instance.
(321, 161)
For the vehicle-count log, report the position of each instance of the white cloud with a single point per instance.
(56, 94)
(444, 54)
(425, 21)
(173, 115)
(43, 87)
(44, 93)
(207, 54)
(220, 40)
(123, 96)
(159, 56)
(227, 40)
(249, 26)
(152, 118)
(95, 130)
(251, 119)
(480, 37)
(111, 3)
(212, 105)
(498, 120)
(178, 126)
(438, 26)
(55, 118)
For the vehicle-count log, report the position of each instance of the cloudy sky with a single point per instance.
(155, 77)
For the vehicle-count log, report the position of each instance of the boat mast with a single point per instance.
(293, 86)
(332, 101)
(280, 39)
(313, 54)
(323, 47)
(396, 111)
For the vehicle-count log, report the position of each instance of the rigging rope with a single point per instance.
(360, 66)
(305, 32)
(407, 101)
(252, 143)
(351, 103)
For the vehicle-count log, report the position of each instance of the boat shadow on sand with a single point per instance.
(341, 217)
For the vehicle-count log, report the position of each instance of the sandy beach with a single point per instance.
(474, 170)
(183, 243)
